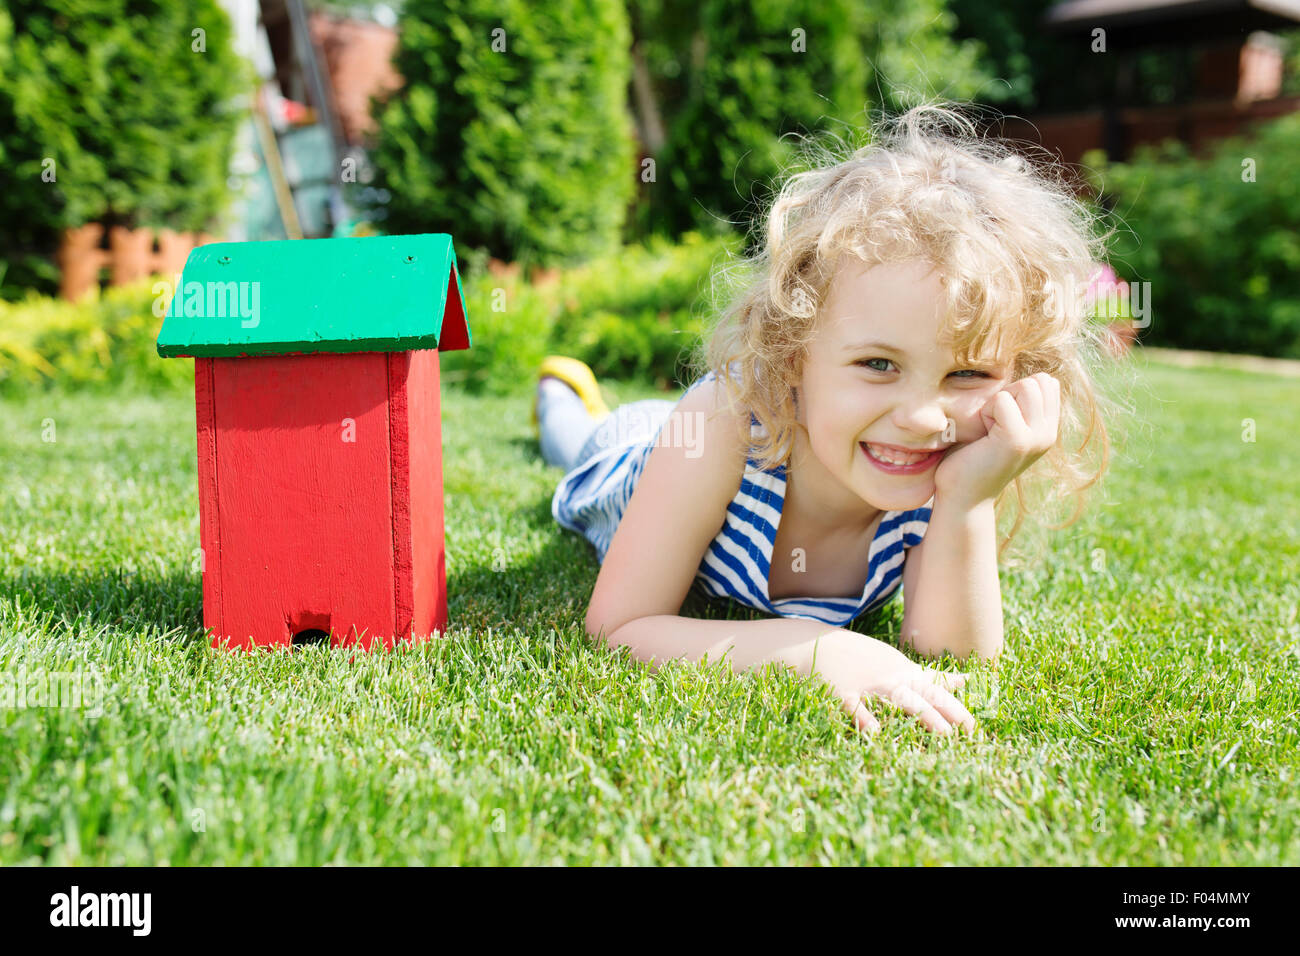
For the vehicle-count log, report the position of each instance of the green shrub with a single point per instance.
(109, 339)
(636, 314)
(527, 152)
(758, 69)
(111, 98)
(1221, 253)
(509, 322)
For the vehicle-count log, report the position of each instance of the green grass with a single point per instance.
(1143, 713)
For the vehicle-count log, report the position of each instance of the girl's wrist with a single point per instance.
(957, 502)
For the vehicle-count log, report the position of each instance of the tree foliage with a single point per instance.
(112, 111)
(511, 131)
(735, 76)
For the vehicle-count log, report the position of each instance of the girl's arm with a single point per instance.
(745, 644)
(676, 509)
(951, 593)
(858, 669)
(950, 580)
(678, 506)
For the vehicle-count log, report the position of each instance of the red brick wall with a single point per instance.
(128, 254)
(358, 57)
(1237, 84)
(1200, 125)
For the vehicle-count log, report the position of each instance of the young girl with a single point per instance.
(909, 341)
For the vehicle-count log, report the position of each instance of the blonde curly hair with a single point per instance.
(1015, 250)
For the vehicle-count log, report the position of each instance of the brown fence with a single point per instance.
(129, 254)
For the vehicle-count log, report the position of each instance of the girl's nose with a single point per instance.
(923, 417)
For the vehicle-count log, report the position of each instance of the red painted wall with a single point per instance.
(320, 480)
(430, 556)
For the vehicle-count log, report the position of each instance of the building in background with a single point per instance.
(1235, 77)
(320, 70)
(310, 119)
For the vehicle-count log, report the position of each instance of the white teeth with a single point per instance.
(894, 458)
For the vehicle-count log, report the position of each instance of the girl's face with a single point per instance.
(875, 377)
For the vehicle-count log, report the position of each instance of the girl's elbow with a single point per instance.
(961, 649)
(599, 625)
(602, 627)
(987, 648)
(989, 651)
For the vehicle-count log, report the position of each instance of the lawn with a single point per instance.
(1143, 713)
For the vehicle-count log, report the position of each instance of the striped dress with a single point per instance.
(591, 498)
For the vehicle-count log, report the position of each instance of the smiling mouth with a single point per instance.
(887, 459)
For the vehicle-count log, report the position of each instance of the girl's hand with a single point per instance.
(857, 666)
(1021, 423)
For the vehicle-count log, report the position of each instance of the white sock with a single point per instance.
(555, 385)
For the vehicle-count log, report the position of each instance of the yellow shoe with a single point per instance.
(578, 376)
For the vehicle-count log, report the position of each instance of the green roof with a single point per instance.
(370, 294)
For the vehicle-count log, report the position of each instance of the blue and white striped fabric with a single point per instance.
(592, 497)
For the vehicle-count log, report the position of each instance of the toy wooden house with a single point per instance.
(319, 434)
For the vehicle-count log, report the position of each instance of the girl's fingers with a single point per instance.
(916, 705)
(863, 719)
(1006, 410)
(1033, 403)
(948, 680)
(952, 709)
(1015, 431)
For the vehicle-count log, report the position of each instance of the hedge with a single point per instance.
(511, 129)
(1216, 238)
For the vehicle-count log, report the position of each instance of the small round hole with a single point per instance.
(310, 636)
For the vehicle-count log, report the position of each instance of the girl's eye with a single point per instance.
(962, 373)
(867, 363)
